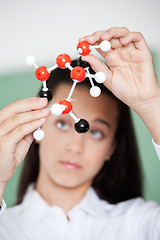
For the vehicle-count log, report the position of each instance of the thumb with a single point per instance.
(97, 65)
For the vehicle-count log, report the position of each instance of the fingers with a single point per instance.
(105, 35)
(22, 148)
(98, 65)
(20, 106)
(22, 118)
(113, 35)
(21, 131)
(17, 120)
(116, 43)
(93, 38)
(118, 37)
(135, 37)
(29, 139)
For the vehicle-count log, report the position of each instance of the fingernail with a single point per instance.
(42, 119)
(42, 100)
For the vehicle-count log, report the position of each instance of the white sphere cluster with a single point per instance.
(57, 109)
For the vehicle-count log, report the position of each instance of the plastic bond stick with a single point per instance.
(89, 76)
(72, 89)
(52, 68)
(44, 86)
(74, 117)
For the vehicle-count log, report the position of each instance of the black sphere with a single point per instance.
(82, 126)
(46, 94)
(82, 63)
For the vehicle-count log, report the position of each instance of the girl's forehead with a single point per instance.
(86, 105)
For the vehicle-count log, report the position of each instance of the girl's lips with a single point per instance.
(69, 165)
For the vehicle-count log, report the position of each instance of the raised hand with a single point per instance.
(131, 76)
(17, 122)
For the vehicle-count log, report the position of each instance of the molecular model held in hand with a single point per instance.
(78, 74)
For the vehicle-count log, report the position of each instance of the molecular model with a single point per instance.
(78, 74)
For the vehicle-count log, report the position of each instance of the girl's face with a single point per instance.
(70, 159)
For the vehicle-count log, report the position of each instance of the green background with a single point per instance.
(24, 84)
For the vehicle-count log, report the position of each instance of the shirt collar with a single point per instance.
(94, 206)
(35, 208)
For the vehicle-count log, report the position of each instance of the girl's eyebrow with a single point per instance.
(103, 121)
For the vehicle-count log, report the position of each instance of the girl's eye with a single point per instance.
(62, 125)
(97, 134)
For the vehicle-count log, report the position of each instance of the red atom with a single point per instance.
(78, 73)
(42, 74)
(62, 59)
(68, 106)
(84, 45)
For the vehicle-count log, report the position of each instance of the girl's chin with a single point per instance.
(67, 183)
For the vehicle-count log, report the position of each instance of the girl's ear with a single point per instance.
(111, 151)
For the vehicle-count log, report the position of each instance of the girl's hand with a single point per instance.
(17, 122)
(131, 76)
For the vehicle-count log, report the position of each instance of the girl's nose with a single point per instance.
(76, 143)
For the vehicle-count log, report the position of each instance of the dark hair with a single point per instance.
(120, 177)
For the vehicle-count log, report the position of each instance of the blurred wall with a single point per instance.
(47, 28)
